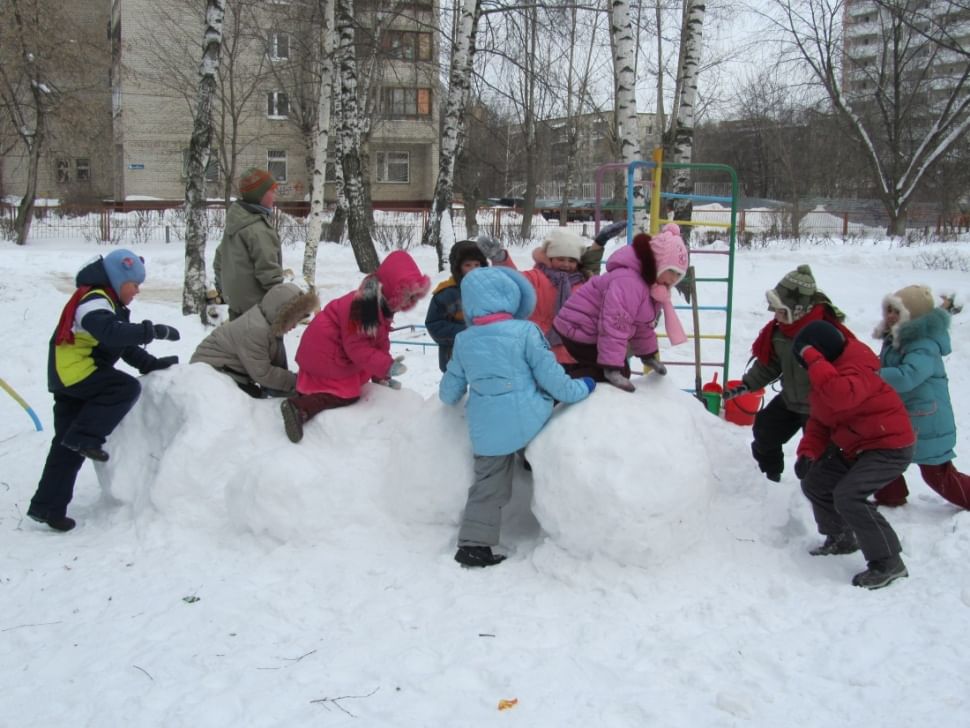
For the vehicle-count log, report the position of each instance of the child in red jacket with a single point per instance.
(857, 439)
(348, 343)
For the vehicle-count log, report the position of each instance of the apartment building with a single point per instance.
(595, 145)
(133, 144)
(874, 43)
(76, 165)
(266, 103)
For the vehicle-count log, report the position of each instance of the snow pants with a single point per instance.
(586, 356)
(489, 493)
(945, 479)
(773, 427)
(84, 415)
(310, 405)
(839, 488)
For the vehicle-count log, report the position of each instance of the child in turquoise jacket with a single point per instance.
(513, 378)
(915, 336)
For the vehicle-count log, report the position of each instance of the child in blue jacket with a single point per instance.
(512, 377)
(90, 396)
(445, 319)
(915, 336)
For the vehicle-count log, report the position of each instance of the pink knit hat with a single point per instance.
(669, 250)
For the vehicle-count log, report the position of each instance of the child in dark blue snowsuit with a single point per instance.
(90, 396)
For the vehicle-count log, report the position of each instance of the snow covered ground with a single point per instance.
(220, 575)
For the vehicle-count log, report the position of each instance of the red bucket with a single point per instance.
(741, 409)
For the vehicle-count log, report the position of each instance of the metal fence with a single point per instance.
(402, 228)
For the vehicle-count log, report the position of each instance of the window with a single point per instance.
(276, 164)
(407, 45)
(279, 46)
(62, 170)
(82, 170)
(394, 167)
(277, 105)
(211, 170)
(404, 102)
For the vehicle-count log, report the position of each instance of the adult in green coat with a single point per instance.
(249, 260)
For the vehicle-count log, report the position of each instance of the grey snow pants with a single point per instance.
(491, 491)
(839, 489)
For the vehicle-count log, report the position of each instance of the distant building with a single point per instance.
(595, 145)
(868, 46)
(137, 145)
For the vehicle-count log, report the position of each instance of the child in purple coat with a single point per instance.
(619, 310)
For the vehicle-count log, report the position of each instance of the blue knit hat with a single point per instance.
(122, 265)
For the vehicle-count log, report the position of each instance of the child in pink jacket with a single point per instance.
(348, 342)
(620, 309)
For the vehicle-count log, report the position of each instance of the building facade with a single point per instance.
(135, 145)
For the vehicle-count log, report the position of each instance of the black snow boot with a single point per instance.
(881, 572)
(92, 453)
(843, 543)
(292, 420)
(477, 556)
(771, 464)
(58, 523)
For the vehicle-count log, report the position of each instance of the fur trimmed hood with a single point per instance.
(397, 285)
(935, 325)
(286, 304)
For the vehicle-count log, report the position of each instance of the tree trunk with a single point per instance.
(459, 84)
(627, 122)
(320, 146)
(193, 291)
(25, 210)
(349, 137)
(691, 41)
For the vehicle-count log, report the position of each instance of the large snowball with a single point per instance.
(627, 476)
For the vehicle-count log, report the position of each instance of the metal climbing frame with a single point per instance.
(656, 167)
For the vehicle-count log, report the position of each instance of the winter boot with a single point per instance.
(477, 556)
(881, 572)
(616, 378)
(58, 523)
(843, 543)
(92, 453)
(771, 464)
(292, 420)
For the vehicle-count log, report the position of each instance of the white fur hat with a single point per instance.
(563, 243)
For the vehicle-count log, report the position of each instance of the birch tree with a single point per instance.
(459, 85)
(321, 144)
(241, 75)
(901, 99)
(682, 114)
(193, 292)
(349, 143)
(624, 79)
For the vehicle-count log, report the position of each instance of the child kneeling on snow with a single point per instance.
(620, 309)
(90, 396)
(349, 342)
(512, 377)
(915, 337)
(857, 439)
(250, 348)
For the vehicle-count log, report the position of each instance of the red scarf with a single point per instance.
(64, 333)
(762, 349)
